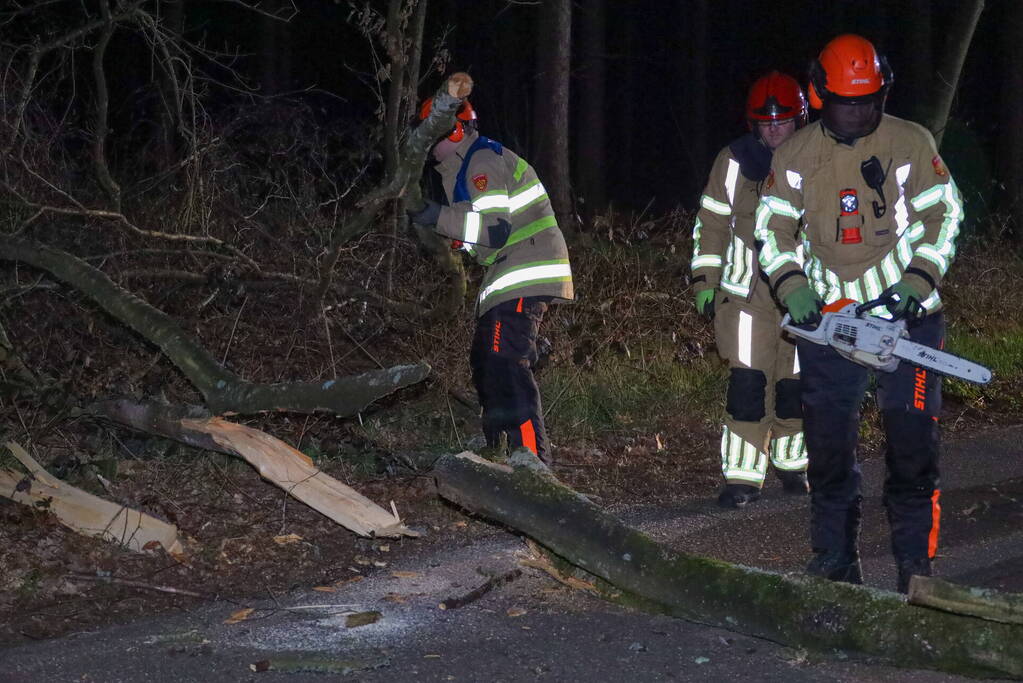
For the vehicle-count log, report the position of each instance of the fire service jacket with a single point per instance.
(882, 209)
(499, 210)
(723, 246)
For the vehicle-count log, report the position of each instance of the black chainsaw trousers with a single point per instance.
(502, 358)
(909, 399)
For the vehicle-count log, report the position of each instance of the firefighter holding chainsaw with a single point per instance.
(497, 210)
(876, 212)
(763, 414)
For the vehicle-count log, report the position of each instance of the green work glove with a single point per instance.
(804, 306)
(705, 303)
(909, 301)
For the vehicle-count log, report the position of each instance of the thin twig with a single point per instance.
(137, 584)
(233, 328)
(474, 595)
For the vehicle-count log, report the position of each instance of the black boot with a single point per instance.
(835, 565)
(738, 495)
(911, 568)
(793, 483)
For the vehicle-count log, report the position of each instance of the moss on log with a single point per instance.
(984, 603)
(793, 609)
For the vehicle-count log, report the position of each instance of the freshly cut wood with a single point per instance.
(794, 609)
(276, 461)
(85, 513)
(295, 472)
(984, 603)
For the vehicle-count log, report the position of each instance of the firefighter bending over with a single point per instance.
(880, 214)
(764, 418)
(497, 211)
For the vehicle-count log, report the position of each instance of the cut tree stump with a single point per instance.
(276, 461)
(794, 609)
(85, 513)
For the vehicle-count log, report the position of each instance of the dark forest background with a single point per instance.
(668, 78)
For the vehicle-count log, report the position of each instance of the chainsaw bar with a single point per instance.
(941, 362)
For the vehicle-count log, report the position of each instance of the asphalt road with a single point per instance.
(535, 629)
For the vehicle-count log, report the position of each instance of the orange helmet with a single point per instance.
(464, 113)
(850, 70)
(776, 97)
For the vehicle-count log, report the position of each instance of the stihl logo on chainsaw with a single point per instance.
(881, 344)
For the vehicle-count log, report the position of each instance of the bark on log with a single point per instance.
(276, 461)
(983, 603)
(223, 390)
(85, 513)
(793, 609)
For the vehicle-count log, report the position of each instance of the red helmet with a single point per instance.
(464, 113)
(850, 70)
(776, 97)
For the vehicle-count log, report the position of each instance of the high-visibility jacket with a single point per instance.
(724, 254)
(908, 233)
(499, 210)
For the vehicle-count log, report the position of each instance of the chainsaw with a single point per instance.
(880, 344)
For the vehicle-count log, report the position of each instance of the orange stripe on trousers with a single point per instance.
(528, 435)
(932, 542)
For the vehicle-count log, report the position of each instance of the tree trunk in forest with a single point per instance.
(915, 83)
(395, 48)
(624, 100)
(794, 609)
(274, 52)
(223, 390)
(696, 92)
(172, 19)
(1010, 149)
(551, 105)
(590, 143)
(277, 462)
(950, 66)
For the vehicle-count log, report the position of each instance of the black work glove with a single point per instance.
(426, 213)
(904, 301)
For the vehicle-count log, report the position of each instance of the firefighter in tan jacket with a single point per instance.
(876, 213)
(763, 418)
(499, 213)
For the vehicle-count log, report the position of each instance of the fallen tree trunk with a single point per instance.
(85, 513)
(277, 462)
(223, 390)
(983, 603)
(797, 610)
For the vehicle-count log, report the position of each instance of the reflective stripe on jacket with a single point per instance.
(908, 233)
(506, 223)
(723, 244)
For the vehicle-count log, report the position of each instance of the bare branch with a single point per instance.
(99, 141)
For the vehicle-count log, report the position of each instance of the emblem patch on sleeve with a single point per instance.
(939, 165)
(480, 181)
